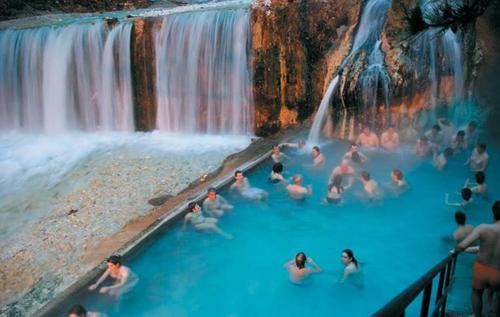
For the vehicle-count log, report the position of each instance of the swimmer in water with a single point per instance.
(354, 155)
(343, 169)
(398, 183)
(435, 138)
(277, 156)
(335, 190)
(117, 272)
(370, 186)
(215, 205)
(462, 230)
(277, 174)
(479, 159)
(441, 160)
(202, 223)
(480, 188)
(296, 190)
(447, 129)
(242, 185)
(466, 194)
(78, 310)
(318, 157)
(367, 138)
(459, 142)
(351, 264)
(298, 270)
(422, 148)
(390, 139)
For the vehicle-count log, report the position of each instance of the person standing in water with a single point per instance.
(298, 269)
(390, 139)
(335, 190)
(463, 229)
(296, 190)
(480, 188)
(118, 272)
(367, 138)
(351, 264)
(78, 310)
(370, 186)
(479, 159)
(318, 157)
(277, 173)
(242, 185)
(486, 270)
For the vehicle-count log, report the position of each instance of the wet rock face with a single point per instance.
(295, 45)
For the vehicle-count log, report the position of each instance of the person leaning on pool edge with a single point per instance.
(486, 271)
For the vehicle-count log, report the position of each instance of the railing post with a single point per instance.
(424, 311)
(449, 268)
(440, 284)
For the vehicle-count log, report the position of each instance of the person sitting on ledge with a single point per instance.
(367, 138)
(78, 310)
(296, 190)
(486, 270)
(118, 272)
(277, 173)
(297, 268)
(242, 185)
(215, 205)
(202, 223)
(390, 139)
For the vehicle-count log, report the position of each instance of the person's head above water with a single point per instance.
(114, 262)
(315, 151)
(238, 175)
(391, 129)
(496, 210)
(367, 130)
(460, 218)
(365, 176)
(77, 310)
(278, 168)
(461, 134)
(301, 143)
(397, 174)
(466, 194)
(212, 193)
(480, 178)
(347, 257)
(481, 148)
(423, 139)
(276, 149)
(472, 126)
(436, 128)
(193, 207)
(300, 260)
(297, 179)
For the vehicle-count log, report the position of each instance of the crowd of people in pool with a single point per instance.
(441, 142)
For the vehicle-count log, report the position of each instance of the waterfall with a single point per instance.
(58, 79)
(368, 33)
(203, 79)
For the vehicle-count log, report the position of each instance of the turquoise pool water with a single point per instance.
(187, 273)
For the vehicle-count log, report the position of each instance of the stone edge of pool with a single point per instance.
(143, 230)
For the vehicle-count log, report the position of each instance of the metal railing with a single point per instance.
(398, 305)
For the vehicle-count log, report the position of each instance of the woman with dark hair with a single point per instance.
(119, 273)
(78, 310)
(335, 190)
(277, 173)
(351, 264)
(297, 268)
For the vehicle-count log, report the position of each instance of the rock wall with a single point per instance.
(296, 48)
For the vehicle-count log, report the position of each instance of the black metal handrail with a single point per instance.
(398, 305)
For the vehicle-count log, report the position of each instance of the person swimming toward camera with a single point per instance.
(301, 267)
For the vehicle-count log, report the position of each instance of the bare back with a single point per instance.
(489, 243)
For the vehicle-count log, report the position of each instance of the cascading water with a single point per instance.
(367, 35)
(375, 82)
(437, 54)
(203, 79)
(69, 78)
